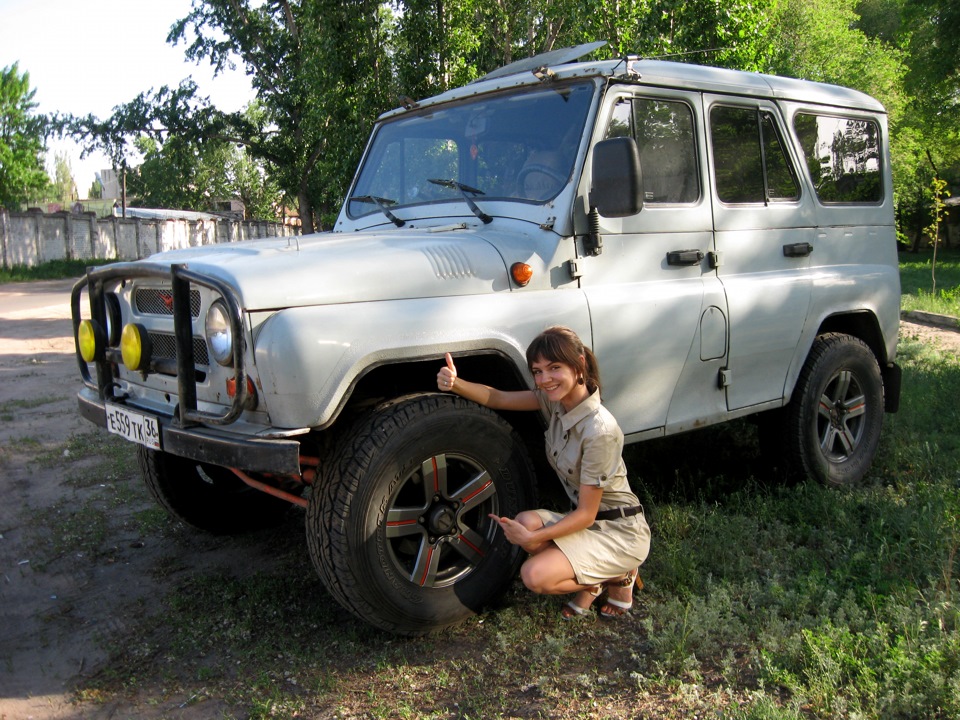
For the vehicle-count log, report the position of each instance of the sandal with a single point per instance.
(613, 608)
(571, 610)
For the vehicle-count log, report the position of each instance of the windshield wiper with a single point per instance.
(464, 189)
(381, 204)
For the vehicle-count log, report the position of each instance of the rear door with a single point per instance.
(765, 228)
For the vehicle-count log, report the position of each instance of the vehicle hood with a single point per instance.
(329, 267)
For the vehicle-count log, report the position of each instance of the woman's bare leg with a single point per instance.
(531, 521)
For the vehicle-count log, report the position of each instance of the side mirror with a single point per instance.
(617, 180)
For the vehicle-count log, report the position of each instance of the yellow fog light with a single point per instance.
(91, 340)
(135, 346)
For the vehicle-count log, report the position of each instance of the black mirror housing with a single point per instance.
(617, 181)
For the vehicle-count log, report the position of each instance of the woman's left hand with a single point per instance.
(515, 533)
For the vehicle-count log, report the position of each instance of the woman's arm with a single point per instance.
(449, 381)
(585, 514)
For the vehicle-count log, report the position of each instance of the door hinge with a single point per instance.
(715, 259)
(574, 267)
(724, 378)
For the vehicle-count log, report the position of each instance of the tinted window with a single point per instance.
(663, 130)
(843, 157)
(749, 159)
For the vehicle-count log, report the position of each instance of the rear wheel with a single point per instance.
(399, 529)
(208, 497)
(832, 425)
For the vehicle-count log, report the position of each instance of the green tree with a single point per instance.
(249, 180)
(179, 174)
(22, 141)
(321, 73)
(63, 189)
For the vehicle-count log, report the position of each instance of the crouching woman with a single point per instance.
(600, 544)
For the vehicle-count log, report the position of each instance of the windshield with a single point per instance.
(511, 146)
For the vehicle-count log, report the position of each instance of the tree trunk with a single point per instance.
(306, 212)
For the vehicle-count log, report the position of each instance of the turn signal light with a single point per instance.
(521, 273)
(250, 402)
(91, 340)
(135, 347)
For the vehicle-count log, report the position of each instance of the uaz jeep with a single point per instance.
(723, 240)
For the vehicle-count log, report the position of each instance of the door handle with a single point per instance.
(797, 249)
(684, 257)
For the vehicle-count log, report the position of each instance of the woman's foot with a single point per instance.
(620, 594)
(575, 608)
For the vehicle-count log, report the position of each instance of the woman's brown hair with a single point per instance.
(561, 344)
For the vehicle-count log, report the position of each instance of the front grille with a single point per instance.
(153, 301)
(165, 346)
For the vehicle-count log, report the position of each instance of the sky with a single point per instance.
(88, 56)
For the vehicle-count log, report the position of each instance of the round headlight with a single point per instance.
(90, 340)
(135, 347)
(219, 333)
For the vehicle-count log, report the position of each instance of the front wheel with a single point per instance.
(834, 420)
(208, 497)
(399, 528)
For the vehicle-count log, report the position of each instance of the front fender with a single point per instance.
(309, 358)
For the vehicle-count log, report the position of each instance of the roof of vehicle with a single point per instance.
(558, 65)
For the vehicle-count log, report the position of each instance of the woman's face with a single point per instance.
(558, 381)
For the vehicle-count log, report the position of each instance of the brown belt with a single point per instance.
(620, 512)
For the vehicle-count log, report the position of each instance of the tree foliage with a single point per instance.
(22, 141)
(323, 70)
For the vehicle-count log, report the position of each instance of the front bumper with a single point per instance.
(208, 445)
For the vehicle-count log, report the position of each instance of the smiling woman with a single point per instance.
(602, 541)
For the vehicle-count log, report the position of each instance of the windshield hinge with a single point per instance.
(543, 73)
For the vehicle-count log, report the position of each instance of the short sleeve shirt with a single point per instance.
(585, 447)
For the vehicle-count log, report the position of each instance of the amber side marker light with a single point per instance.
(521, 273)
(232, 388)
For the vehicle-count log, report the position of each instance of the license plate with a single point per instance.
(134, 426)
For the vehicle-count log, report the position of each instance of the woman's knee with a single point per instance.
(530, 519)
(533, 576)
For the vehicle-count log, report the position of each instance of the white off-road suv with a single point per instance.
(723, 240)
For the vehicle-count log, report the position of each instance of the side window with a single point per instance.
(664, 133)
(843, 157)
(750, 163)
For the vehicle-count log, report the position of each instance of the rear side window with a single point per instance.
(750, 163)
(663, 130)
(843, 157)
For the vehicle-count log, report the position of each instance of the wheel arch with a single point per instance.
(861, 324)
(394, 380)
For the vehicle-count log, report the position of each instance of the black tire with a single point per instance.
(208, 497)
(398, 529)
(832, 424)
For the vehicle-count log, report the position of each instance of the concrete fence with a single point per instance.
(32, 238)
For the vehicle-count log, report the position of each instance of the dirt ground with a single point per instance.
(61, 597)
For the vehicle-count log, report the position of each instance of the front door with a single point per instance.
(656, 306)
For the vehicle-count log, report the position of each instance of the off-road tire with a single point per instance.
(413, 482)
(207, 497)
(831, 427)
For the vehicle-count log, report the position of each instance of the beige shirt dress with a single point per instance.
(585, 447)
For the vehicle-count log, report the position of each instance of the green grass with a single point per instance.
(916, 281)
(52, 270)
(763, 601)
